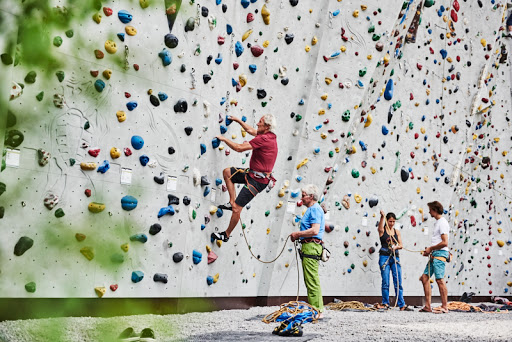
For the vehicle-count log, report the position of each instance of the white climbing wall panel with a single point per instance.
(325, 67)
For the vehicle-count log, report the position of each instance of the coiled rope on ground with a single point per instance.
(349, 305)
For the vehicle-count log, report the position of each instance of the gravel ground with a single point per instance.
(246, 325)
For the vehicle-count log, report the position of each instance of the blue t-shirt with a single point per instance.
(314, 214)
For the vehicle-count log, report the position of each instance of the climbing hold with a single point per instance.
(137, 276)
(404, 174)
(169, 210)
(124, 16)
(95, 207)
(130, 30)
(256, 50)
(177, 257)
(115, 153)
(188, 130)
(388, 93)
(43, 157)
(110, 47)
(87, 252)
(165, 56)
(129, 203)
(160, 278)
(31, 77)
(239, 49)
(104, 167)
(144, 160)
(100, 291)
(265, 14)
(171, 41)
(59, 213)
(50, 201)
(139, 237)
(131, 105)
(196, 256)
(137, 142)
(190, 25)
(23, 245)
(6, 59)
(80, 237)
(57, 41)
(14, 138)
(181, 106)
(30, 287)
(88, 166)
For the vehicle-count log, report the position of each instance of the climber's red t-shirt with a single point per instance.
(264, 154)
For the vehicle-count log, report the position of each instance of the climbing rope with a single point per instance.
(292, 308)
(354, 305)
(462, 306)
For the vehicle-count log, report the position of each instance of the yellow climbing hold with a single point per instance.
(215, 278)
(213, 210)
(368, 121)
(95, 207)
(100, 291)
(280, 204)
(321, 111)
(352, 149)
(337, 150)
(107, 74)
(115, 153)
(365, 263)
(208, 249)
(130, 30)
(456, 213)
(265, 14)
(483, 42)
(372, 169)
(88, 166)
(286, 265)
(125, 247)
(121, 116)
(343, 48)
(500, 243)
(328, 80)
(97, 17)
(219, 243)
(242, 79)
(246, 34)
(364, 7)
(87, 252)
(244, 133)
(268, 231)
(110, 47)
(314, 40)
(358, 198)
(422, 130)
(324, 96)
(369, 57)
(418, 190)
(307, 48)
(302, 163)
(266, 43)
(233, 136)
(323, 135)
(355, 14)
(386, 58)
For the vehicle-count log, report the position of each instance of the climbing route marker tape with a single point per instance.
(126, 176)
(172, 183)
(12, 158)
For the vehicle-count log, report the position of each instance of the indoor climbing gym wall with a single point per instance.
(111, 174)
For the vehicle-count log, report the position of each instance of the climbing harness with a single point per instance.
(394, 241)
(324, 256)
(257, 174)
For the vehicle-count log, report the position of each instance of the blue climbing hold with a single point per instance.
(217, 2)
(444, 53)
(335, 13)
(203, 226)
(137, 276)
(166, 57)
(294, 194)
(317, 127)
(385, 130)
(219, 212)
(329, 105)
(120, 36)
(209, 279)
(218, 60)
(162, 96)
(239, 49)
(442, 172)
(203, 148)
(252, 68)
(129, 203)
(104, 167)
(229, 29)
(196, 256)
(137, 142)
(99, 85)
(234, 83)
(228, 120)
(218, 181)
(299, 178)
(388, 93)
(144, 160)
(124, 16)
(301, 102)
(131, 105)
(244, 118)
(169, 210)
(206, 191)
(245, 3)
(363, 145)
(317, 150)
(215, 142)
(139, 237)
(223, 129)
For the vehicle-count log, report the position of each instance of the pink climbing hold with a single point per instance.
(212, 257)
(256, 50)
(413, 221)
(250, 17)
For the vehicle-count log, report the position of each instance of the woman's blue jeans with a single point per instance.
(385, 266)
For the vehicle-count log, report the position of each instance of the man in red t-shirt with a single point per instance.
(257, 177)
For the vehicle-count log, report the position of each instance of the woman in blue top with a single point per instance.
(312, 227)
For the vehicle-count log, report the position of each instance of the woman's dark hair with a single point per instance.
(390, 215)
(437, 207)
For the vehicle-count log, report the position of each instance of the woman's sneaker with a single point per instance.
(219, 236)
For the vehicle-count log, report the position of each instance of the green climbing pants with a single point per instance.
(311, 278)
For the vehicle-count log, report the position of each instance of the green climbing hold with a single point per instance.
(392, 72)
(267, 212)
(87, 125)
(243, 226)
(411, 125)
(31, 77)
(346, 253)
(117, 258)
(346, 229)
(70, 33)
(355, 173)
(30, 287)
(371, 29)
(362, 72)
(276, 76)
(331, 154)
(87, 252)
(243, 161)
(23, 245)
(298, 117)
(72, 161)
(276, 49)
(6, 59)
(57, 41)
(59, 213)
(263, 104)
(352, 266)
(345, 116)
(3, 188)
(297, 70)
(375, 37)
(40, 96)
(429, 3)
(60, 75)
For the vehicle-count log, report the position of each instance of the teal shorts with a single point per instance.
(436, 267)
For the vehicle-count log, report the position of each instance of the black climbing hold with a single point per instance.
(445, 139)
(206, 78)
(446, 180)
(171, 41)
(6, 58)
(177, 257)
(292, 115)
(261, 93)
(188, 130)
(294, 2)
(155, 229)
(404, 174)
(373, 202)
(208, 61)
(3, 187)
(11, 119)
(480, 3)
(171, 150)
(173, 200)
(469, 63)
(186, 200)
(2, 212)
(288, 38)
(181, 106)
(285, 81)
(190, 25)
(183, 68)
(14, 138)
(204, 181)
(154, 100)
(159, 179)
(204, 11)
(468, 123)
(289, 157)
(224, 8)
(23, 245)
(160, 277)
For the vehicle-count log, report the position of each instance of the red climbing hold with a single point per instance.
(136, 67)
(456, 5)
(256, 50)
(413, 221)
(419, 66)
(94, 152)
(114, 287)
(454, 16)
(88, 192)
(416, 135)
(235, 65)
(220, 40)
(108, 11)
(411, 96)
(431, 51)
(94, 73)
(127, 95)
(250, 17)
(127, 151)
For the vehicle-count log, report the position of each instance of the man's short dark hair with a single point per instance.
(436, 206)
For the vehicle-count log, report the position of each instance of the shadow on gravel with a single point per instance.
(246, 336)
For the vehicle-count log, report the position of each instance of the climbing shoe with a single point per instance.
(147, 335)
(219, 236)
(226, 206)
(294, 329)
(279, 328)
(128, 335)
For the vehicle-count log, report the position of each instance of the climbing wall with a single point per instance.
(111, 175)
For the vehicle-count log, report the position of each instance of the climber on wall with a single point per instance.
(257, 176)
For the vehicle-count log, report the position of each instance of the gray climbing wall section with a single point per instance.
(110, 182)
